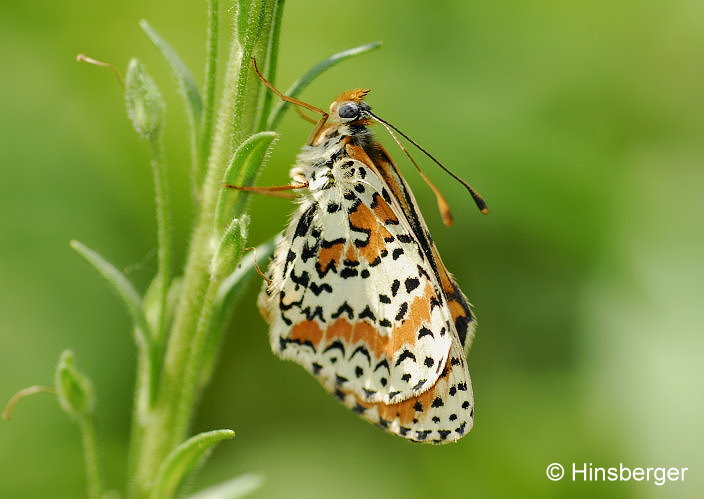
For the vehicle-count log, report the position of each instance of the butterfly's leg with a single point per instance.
(323, 115)
(274, 190)
(256, 265)
(305, 116)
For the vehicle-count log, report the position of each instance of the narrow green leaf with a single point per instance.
(75, 393)
(245, 165)
(254, 36)
(229, 248)
(271, 62)
(145, 107)
(151, 303)
(183, 460)
(124, 288)
(230, 290)
(74, 390)
(186, 83)
(234, 488)
(298, 86)
(238, 279)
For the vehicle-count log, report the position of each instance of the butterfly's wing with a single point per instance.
(462, 316)
(444, 413)
(359, 297)
(354, 298)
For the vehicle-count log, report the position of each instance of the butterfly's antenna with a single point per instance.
(478, 200)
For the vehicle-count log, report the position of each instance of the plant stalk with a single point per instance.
(90, 453)
(166, 422)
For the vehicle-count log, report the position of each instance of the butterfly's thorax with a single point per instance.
(326, 164)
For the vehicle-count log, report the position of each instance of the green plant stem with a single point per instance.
(166, 424)
(140, 413)
(90, 453)
(163, 219)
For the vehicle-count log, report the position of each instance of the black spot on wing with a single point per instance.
(319, 289)
(344, 308)
(367, 312)
(305, 221)
(348, 272)
(411, 284)
(308, 251)
(406, 354)
(302, 280)
(424, 331)
(402, 311)
(312, 314)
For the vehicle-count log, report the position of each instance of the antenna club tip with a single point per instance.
(485, 211)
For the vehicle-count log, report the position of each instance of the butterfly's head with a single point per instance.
(349, 106)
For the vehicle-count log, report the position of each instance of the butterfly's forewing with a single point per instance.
(360, 298)
(459, 306)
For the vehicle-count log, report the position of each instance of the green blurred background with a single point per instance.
(582, 123)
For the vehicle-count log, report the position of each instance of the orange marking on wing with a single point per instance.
(383, 210)
(307, 331)
(364, 331)
(329, 256)
(418, 314)
(341, 328)
(354, 333)
(363, 218)
(357, 153)
(384, 166)
(405, 411)
(383, 346)
(351, 254)
(456, 301)
(457, 309)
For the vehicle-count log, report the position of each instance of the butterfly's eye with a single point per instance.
(349, 110)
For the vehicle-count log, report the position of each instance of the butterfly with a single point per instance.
(356, 291)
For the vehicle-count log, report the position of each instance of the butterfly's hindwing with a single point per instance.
(442, 414)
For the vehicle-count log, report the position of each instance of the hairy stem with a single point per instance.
(163, 219)
(90, 453)
(166, 423)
